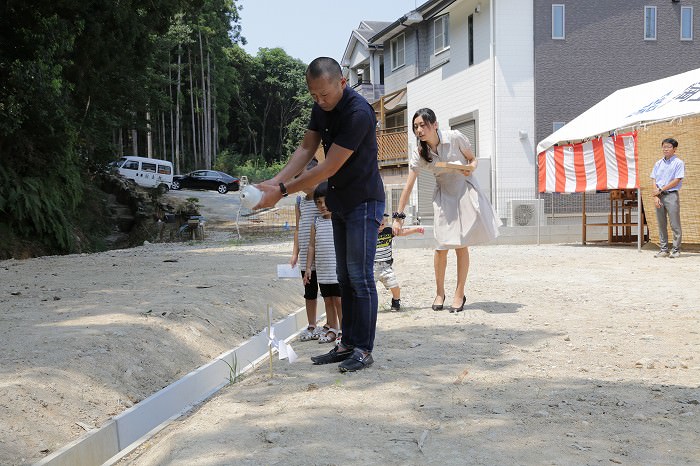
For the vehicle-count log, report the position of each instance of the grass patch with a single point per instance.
(233, 375)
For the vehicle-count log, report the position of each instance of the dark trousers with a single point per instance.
(671, 206)
(355, 236)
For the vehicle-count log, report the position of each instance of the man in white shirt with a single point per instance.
(668, 176)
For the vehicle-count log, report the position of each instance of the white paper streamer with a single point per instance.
(284, 350)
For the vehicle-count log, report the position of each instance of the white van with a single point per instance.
(149, 173)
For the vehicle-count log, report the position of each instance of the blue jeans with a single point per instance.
(355, 235)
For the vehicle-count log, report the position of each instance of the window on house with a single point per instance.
(649, 23)
(558, 23)
(398, 52)
(470, 37)
(557, 124)
(686, 23)
(442, 38)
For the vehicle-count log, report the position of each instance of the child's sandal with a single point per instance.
(329, 336)
(308, 333)
(319, 332)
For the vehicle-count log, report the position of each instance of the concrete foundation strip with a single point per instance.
(123, 433)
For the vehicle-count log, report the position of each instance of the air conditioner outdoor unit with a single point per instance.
(524, 212)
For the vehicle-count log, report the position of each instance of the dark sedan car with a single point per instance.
(207, 179)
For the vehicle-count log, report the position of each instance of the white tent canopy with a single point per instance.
(660, 100)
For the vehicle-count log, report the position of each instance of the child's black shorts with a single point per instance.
(311, 288)
(327, 290)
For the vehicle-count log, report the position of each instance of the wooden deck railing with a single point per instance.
(392, 145)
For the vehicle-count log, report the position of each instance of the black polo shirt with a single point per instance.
(351, 125)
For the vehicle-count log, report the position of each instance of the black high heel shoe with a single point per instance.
(460, 308)
(439, 307)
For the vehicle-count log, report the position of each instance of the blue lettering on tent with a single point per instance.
(689, 94)
(652, 106)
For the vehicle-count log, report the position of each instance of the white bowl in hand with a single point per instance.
(250, 196)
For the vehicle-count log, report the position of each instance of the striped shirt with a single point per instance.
(307, 214)
(325, 251)
(384, 246)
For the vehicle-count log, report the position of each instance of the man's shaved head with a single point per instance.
(324, 66)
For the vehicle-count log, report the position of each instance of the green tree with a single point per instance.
(269, 95)
(70, 72)
(297, 127)
(38, 128)
(85, 81)
(279, 79)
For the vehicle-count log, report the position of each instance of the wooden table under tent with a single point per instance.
(622, 221)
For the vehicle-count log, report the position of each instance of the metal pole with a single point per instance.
(640, 227)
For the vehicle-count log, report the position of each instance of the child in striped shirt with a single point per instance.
(383, 272)
(322, 252)
(306, 213)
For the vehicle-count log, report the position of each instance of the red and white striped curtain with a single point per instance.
(597, 165)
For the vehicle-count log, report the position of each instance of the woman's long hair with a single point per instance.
(428, 116)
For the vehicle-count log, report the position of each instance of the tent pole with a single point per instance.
(639, 220)
(583, 220)
(537, 207)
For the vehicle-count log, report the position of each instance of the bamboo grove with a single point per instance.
(83, 82)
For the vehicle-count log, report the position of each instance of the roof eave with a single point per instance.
(427, 10)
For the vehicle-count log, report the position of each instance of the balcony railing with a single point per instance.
(392, 145)
(369, 91)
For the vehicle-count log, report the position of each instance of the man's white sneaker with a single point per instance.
(674, 254)
(661, 254)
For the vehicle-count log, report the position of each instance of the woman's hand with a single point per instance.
(468, 172)
(471, 159)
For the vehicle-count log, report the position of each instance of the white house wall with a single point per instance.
(456, 89)
(376, 60)
(460, 94)
(515, 163)
(359, 55)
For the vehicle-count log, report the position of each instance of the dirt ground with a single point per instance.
(563, 355)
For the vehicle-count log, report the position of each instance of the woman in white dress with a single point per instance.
(463, 215)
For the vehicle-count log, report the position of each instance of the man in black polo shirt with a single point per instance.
(344, 122)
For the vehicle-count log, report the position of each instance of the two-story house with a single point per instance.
(509, 72)
(444, 55)
(365, 61)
